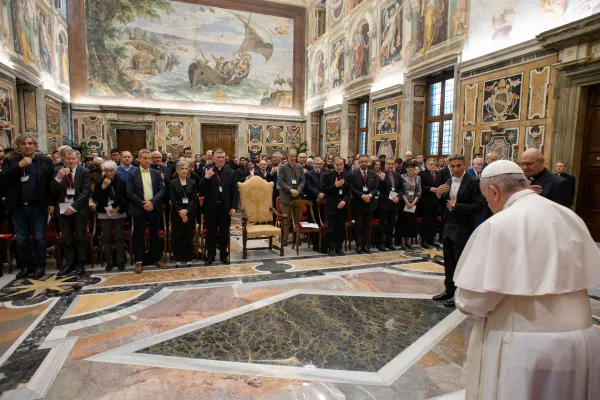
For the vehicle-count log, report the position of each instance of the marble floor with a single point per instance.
(303, 327)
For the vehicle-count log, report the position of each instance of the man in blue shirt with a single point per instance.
(126, 166)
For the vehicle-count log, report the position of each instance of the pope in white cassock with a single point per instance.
(524, 273)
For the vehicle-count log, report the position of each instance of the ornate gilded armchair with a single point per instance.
(257, 214)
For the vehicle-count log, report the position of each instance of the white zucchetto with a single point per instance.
(501, 167)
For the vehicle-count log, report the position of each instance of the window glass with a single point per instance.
(449, 96)
(435, 99)
(447, 137)
(433, 129)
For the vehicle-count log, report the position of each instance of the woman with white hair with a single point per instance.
(111, 203)
(183, 193)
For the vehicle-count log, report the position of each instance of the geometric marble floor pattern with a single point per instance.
(311, 327)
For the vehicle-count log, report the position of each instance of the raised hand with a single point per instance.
(209, 173)
(25, 162)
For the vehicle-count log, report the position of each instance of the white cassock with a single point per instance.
(524, 273)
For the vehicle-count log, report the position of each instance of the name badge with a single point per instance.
(293, 181)
(221, 189)
(185, 200)
(25, 178)
(411, 193)
(340, 192)
(70, 192)
(365, 189)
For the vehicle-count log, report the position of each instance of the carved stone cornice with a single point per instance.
(581, 31)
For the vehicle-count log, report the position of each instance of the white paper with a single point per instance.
(108, 208)
(25, 178)
(393, 195)
(70, 192)
(309, 225)
(110, 202)
(64, 206)
(410, 210)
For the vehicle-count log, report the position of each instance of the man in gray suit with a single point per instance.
(290, 181)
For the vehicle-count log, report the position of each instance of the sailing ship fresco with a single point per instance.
(191, 52)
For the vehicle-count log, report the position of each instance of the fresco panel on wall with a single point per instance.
(170, 50)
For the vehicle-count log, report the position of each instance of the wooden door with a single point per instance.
(132, 140)
(219, 136)
(588, 199)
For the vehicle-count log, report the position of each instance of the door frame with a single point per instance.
(240, 129)
(236, 137)
(113, 126)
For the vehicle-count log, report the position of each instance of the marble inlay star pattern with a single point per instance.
(298, 331)
(39, 287)
(432, 253)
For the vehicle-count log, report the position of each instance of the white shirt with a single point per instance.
(72, 173)
(455, 186)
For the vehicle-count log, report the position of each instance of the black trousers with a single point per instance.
(150, 219)
(429, 225)
(221, 221)
(72, 232)
(362, 225)
(112, 238)
(454, 244)
(387, 223)
(336, 228)
(183, 237)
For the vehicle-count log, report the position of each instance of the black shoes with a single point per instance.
(340, 252)
(382, 249)
(443, 296)
(39, 273)
(121, 267)
(449, 303)
(24, 272)
(359, 250)
(209, 261)
(426, 246)
(108, 266)
(331, 253)
(225, 260)
(80, 270)
(66, 270)
(390, 247)
(366, 250)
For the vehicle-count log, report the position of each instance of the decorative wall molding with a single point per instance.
(577, 32)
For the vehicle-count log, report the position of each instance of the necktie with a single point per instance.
(392, 178)
(433, 176)
(477, 175)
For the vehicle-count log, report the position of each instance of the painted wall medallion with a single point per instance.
(175, 131)
(293, 135)
(386, 148)
(505, 143)
(275, 134)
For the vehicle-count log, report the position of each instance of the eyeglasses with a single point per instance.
(528, 164)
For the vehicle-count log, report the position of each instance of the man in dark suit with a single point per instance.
(263, 170)
(476, 169)
(560, 171)
(290, 181)
(314, 191)
(542, 181)
(365, 185)
(272, 177)
(389, 181)
(338, 192)
(463, 200)
(71, 188)
(220, 192)
(429, 202)
(27, 176)
(444, 170)
(146, 192)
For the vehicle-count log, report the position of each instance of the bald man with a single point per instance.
(550, 186)
(408, 157)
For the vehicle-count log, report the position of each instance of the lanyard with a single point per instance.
(70, 180)
(364, 176)
(218, 178)
(411, 182)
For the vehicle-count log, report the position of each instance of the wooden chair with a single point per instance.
(8, 239)
(257, 214)
(300, 210)
(349, 230)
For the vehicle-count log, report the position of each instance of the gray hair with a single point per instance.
(110, 164)
(507, 183)
(276, 154)
(290, 151)
(144, 151)
(70, 151)
(181, 163)
(431, 160)
(24, 136)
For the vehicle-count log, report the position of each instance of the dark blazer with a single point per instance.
(135, 191)
(314, 185)
(10, 177)
(385, 187)
(176, 194)
(469, 202)
(166, 173)
(332, 194)
(209, 189)
(554, 187)
(116, 191)
(428, 198)
(357, 183)
(82, 186)
(258, 172)
(446, 174)
(571, 181)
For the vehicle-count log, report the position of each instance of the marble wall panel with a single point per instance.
(502, 99)
(266, 137)
(468, 146)
(174, 134)
(7, 103)
(535, 137)
(30, 110)
(539, 83)
(470, 104)
(386, 126)
(504, 143)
